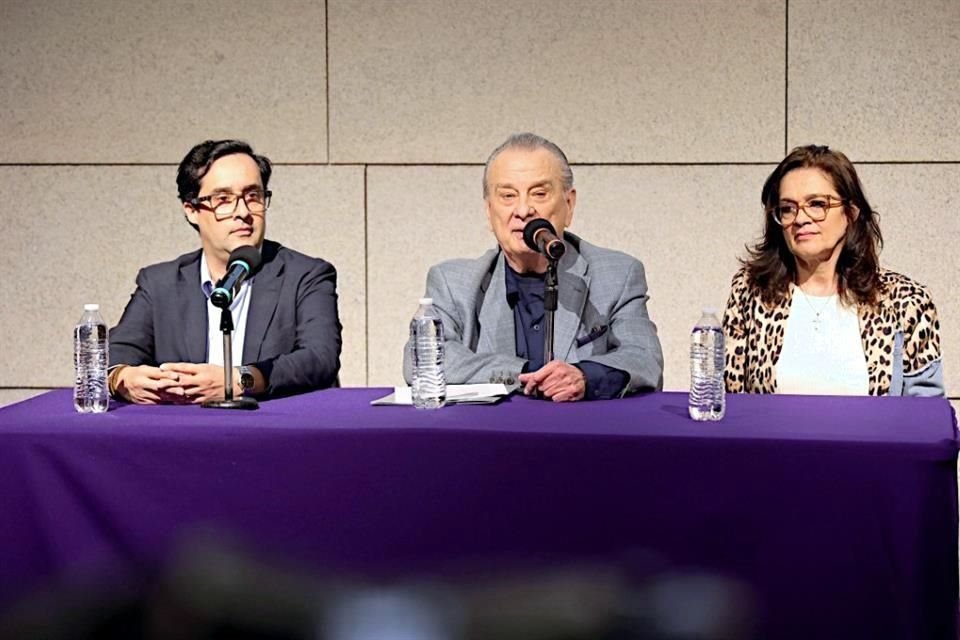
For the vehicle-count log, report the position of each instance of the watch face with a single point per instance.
(246, 379)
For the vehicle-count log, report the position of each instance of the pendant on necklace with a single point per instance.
(819, 337)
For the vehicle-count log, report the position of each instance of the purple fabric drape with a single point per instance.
(840, 514)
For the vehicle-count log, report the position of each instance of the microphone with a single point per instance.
(540, 236)
(242, 262)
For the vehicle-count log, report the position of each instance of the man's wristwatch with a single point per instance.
(246, 379)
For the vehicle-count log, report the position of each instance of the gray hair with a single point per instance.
(530, 142)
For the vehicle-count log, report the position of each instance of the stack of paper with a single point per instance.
(456, 394)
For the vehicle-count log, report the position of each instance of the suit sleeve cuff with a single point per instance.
(603, 382)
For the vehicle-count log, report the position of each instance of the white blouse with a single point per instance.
(822, 349)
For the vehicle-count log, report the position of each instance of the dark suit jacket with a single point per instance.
(292, 333)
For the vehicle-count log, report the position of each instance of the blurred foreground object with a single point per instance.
(213, 591)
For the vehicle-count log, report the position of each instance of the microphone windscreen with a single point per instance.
(247, 255)
(530, 231)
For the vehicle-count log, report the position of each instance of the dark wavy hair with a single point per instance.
(198, 160)
(770, 265)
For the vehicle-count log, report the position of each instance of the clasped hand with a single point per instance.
(557, 380)
(171, 382)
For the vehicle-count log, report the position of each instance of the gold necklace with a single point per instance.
(816, 312)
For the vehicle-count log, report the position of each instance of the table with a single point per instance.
(839, 513)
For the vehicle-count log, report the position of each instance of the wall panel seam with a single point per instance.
(786, 77)
(366, 284)
(364, 165)
(326, 71)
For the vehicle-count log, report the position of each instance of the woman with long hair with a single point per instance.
(811, 311)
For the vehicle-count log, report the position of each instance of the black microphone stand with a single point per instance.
(549, 308)
(228, 401)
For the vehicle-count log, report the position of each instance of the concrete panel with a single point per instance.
(75, 235)
(80, 234)
(417, 216)
(876, 79)
(140, 81)
(917, 205)
(435, 81)
(687, 224)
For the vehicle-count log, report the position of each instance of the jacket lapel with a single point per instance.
(193, 304)
(574, 284)
(267, 283)
(497, 329)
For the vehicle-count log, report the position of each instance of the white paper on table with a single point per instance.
(456, 394)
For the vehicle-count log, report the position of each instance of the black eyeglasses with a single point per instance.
(816, 209)
(224, 204)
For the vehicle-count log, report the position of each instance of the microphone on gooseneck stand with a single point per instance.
(243, 261)
(540, 236)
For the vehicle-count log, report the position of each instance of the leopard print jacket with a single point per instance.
(905, 320)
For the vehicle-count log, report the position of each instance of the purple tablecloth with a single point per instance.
(839, 513)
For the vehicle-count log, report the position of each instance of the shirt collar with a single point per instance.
(517, 282)
(207, 284)
(206, 281)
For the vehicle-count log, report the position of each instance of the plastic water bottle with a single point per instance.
(426, 335)
(90, 360)
(707, 401)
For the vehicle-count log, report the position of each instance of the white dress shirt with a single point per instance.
(239, 307)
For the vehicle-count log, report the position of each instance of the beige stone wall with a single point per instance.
(379, 115)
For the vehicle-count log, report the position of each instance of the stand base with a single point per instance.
(243, 402)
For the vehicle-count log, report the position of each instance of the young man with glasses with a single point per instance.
(167, 347)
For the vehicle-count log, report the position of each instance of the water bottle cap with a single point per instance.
(426, 300)
(710, 311)
(91, 307)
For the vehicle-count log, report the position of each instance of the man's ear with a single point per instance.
(191, 214)
(571, 198)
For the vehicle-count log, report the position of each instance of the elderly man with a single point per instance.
(167, 346)
(493, 307)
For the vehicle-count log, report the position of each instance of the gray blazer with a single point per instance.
(601, 316)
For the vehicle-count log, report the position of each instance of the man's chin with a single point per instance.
(245, 241)
(524, 259)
